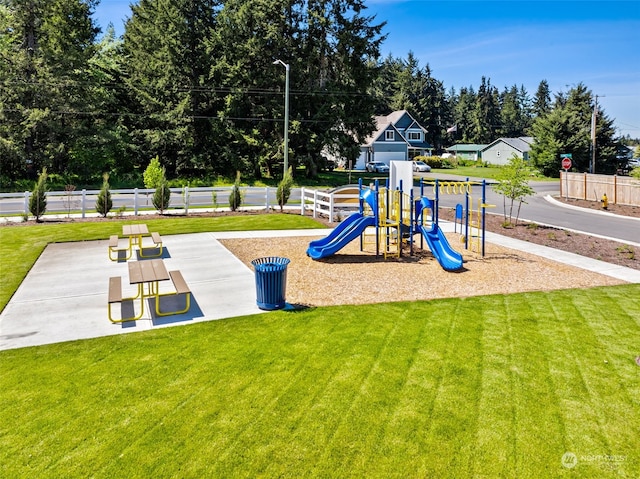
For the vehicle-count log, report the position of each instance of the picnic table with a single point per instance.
(135, 234)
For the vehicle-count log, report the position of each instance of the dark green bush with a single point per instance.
(38, 199)
(235, 197)
(161, 197)
(432, 161)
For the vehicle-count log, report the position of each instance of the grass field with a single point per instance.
(499, 386)
(494, 386)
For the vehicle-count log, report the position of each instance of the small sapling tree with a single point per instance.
(104, 202)
(235, 197)
(284, 189)
(513, 183)
(38, 199)
(153, 175)
(162, 197)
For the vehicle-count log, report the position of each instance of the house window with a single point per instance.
(388, 135)
(414, 135)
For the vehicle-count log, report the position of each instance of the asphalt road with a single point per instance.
(537, 208)
(540, 210)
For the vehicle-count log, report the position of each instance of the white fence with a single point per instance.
(82, 203)
(138, 199)
(332, 204)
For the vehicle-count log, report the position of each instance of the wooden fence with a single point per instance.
(622, 190)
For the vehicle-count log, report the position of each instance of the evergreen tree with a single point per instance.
(515, 113)
(162, 196)
(567, 129)
(464, 115)
(103, 201)
(44, 109)
(109, 149)
(284, 189)
(167, 72)
(486, 113)
(38, 198)
(542, 100)
(328, 45)
(235, 197)
(432, 109)
(383, 84)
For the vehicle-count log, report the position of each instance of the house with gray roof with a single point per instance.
(500, 151)
(465, 151)
(397, 137)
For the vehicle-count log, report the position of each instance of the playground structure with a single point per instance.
(396, 217)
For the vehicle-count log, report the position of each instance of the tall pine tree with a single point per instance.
(46, 103)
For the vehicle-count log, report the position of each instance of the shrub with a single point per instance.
(284, 189)
(38, 199)
(162, 197)
(432, 161)
(103, 202)
(235, 197)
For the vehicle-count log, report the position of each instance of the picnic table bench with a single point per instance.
(157, 244)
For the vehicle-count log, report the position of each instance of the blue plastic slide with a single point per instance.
(449, 259)
(348, 230)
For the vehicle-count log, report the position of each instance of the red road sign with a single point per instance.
(566, 163)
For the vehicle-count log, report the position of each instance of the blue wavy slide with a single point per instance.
(348, 230)
(449, 259)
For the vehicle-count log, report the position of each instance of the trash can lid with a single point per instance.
(270, 263)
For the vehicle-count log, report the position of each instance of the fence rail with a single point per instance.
(331, 204)
(137, 200)
(622, 190)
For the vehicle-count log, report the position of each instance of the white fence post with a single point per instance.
(84, 202)
(315, 202)
(135, 201)
(266, 198)
(26, 203)
(331, 208)
(186, 200)
(302, 201)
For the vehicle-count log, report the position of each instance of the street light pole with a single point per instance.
(286, 115)
(594, 121)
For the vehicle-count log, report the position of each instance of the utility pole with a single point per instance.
(286, 116)
(594, 118)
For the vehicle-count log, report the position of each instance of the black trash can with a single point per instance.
(271, 282)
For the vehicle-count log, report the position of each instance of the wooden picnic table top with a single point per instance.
(147, 271)
(135, 230)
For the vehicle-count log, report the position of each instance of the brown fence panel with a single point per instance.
(622, 190)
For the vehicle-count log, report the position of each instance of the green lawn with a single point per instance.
(494, 386)
(489, 172)
(498, 386)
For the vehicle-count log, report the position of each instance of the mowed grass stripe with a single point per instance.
(495, 440)
(347, 436)
(475, 387)
(452, 425)
(327, 383)
(538, 436)
(583, 381)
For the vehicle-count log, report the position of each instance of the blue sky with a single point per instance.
(510, 42)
